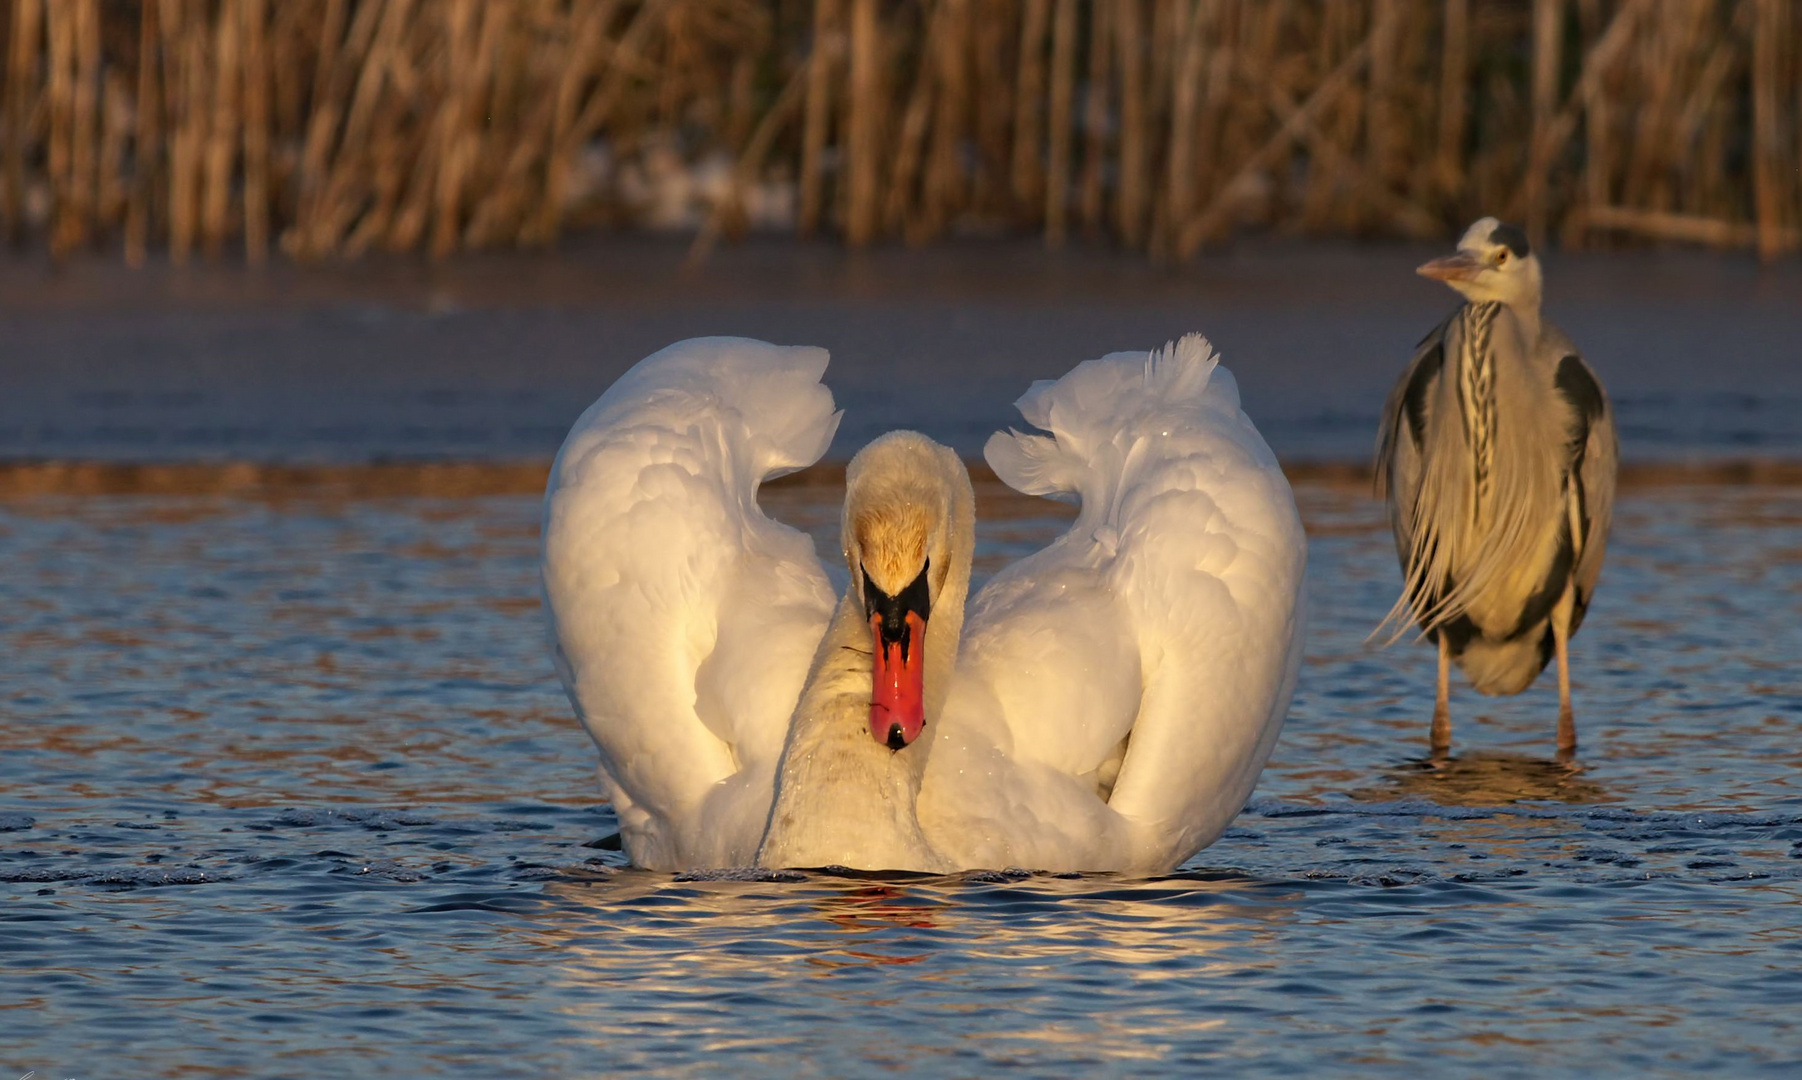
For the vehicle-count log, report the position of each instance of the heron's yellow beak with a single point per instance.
(1453, 268)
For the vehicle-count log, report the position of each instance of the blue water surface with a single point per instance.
(287, 789)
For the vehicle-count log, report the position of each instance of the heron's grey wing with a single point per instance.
(1594, 450)
(1405, 418)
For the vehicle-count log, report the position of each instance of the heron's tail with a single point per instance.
(1505, 667)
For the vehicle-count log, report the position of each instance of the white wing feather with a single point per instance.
(1166, 622)
(683, 619)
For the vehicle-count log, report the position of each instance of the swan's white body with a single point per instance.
(1108, 704)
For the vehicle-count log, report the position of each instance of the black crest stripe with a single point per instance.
(1513, 236)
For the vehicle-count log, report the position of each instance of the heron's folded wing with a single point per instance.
(1595, 446)
(1405, 418)
(682, 618)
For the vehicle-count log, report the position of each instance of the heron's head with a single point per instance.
(1494, 262)
(908, 534)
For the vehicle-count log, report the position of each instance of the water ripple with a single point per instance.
(289, 790)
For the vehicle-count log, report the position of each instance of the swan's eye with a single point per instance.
(891, 612)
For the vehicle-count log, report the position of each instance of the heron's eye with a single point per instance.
(1501, 258)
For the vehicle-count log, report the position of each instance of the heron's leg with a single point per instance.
(1561, 616)
(1442, 707)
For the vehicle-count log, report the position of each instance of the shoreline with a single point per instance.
(23, 480)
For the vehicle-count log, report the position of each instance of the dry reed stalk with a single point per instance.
(591, 18)
(1684, 228)
(115, 135)
(944, 188)
(1200, 226)
(624, 61)
(1061, 132)
(350, 96)
(507, 212)
(741, 101)
(184, 51)
(480, 130)
(1096, 115)
(1189, 41)
(360, 175)
(1169, 19)
(990, 193)
(1767, 133)
(1661, 60)
(862, 149)
(819, 113)
(1697, 135)
(293, 29)
(332, 82)
(406, 222)
(1337, 34)
(147, 150)
(1596, 66)
(1380, 140)
(1327, 155)
(84, 156)
(1029, 93)
(461, 122)
(1230, 21)
(1242, 124)
(498, 215)
(744, 174)
(223, 137)
(1598, 159)
(456, 142)
(25, 33)
(1412, 106)
(1131, 198)
(1162, 48)
(1548, 40)
(405, 152)
(60, 96)
(504, 131)
(408, 198)
(914, 120)
(252, 21)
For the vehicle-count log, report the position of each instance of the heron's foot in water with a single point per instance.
(1440, 737)
(1567, 732)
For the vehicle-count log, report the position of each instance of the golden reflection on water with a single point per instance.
(857, 947)
(1488, 778)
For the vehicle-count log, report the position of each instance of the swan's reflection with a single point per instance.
(644, 952)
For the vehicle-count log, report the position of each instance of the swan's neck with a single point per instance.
(842, 798)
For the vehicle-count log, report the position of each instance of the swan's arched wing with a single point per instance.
(1136, 672)
(682, 618)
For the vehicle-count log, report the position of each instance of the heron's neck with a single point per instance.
(1528, 314)
(842, 798)
(1476, 393)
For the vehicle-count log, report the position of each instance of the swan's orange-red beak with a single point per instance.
(898, 682)
(898, 660)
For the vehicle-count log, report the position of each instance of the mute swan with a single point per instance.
(1106, 703)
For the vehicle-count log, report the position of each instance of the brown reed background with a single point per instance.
(327, 128)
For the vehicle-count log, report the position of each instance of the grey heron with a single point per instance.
(1497, 456)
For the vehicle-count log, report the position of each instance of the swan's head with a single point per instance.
(909, 528)
(1494, 262)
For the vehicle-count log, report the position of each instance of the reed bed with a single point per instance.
(327, 128)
